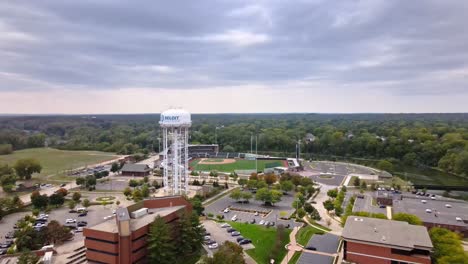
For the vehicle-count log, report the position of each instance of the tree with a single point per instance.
(76, 197)
(161, 246)
(6, 149)
(332, 193)
(56, 234)
(137, 195)
(236, 195)
(228, 253)
(409, 218)
(127, 191)
(115, 167)
(26, 167)
(270, 178)
(275, 196)
(328, 204)
(190, 234)
(300, 213)
(363, 185)
(71, 204)
(228, 148)
(56, 199)
(242, 182)
(287, 186)
(28, 257)
(90, 181)
(197, 204)
(86, 203)
(40, 201)
(356, 181)
(247, 196)
(145, 190)
(7, 177)
(447, 246)
(80, 181)
(263, 195)
(385, 165)
(62, 191)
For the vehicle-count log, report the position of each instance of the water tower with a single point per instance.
(175, 124)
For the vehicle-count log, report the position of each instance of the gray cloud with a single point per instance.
(400, 47)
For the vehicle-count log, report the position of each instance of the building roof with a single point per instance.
(136, 168)
(307, 258)
(388, 233)
(135, 224)
(325, 243)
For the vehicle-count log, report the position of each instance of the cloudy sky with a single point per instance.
(111, 56)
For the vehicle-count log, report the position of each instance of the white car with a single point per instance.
(213, 246)
(234, 218)
(428, 211)
(226, 210)
(261, 222)
(43, 216)
(433, 198)
(423, 201)
(448, 205)
(225, 225)
(39, 225)
(207, 237)
(79, 229)
(70, 221)
(256, 214)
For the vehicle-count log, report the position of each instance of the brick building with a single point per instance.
(378, 241)
(122, 240)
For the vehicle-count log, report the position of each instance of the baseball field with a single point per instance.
(230, 165)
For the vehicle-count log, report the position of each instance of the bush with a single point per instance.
(210, 215)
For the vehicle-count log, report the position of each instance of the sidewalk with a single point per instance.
(292, 246)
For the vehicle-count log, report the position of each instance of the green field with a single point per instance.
(305, 233)
(56, 161)
(240, 164)
(263, 239)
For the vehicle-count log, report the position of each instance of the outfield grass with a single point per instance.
(240, 164)
(56, 161)
(263, 239)
(305, 233)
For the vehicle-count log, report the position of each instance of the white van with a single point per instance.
(234, 218)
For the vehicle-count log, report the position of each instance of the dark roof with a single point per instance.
(136, 168)
(325, 243)
(309, 258)
(386, 233)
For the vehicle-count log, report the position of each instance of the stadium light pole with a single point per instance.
(256, 154)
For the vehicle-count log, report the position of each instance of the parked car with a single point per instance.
(209, 242)
(239, 239)
(252, 221)
(83, 214)
(10, 235)
(82, 223)
(72, 211)
(3, 251)
(63, 185)
(79, 229)
(266, 223)
(235, 233)
(225, 225)
(256, 214)
(245, 241)
(207, 238)
(261, 222)
(448, 205)
(213, 246)
(428, 211)
(70, 221)
(230, 230)
(311, 248)
(234, 218)
(226, 210)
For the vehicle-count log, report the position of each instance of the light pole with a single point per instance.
(216, 133)
(256, 155)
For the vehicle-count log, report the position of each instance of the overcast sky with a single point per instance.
(111, 56)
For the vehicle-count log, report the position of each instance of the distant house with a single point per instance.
(309, 138)
(136, 170)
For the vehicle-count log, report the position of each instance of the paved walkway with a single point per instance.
(321, 197)
(292, 246)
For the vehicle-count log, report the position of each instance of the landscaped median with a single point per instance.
(268, 241)
(305, 233)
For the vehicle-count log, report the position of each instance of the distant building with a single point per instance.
(379, 241)
(123, 239)
(203, 148)
(135, 170)
(309, 137)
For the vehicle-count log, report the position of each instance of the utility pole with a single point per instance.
(251, 142)
(256, 155)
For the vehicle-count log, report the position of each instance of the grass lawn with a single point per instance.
(264, 241)
(295, 257)
(351, 181)
(56, 161)
(240, 164)
(305, 233)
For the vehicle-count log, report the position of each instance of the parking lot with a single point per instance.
(95, 216)
(220, 235)
(440, 212)
(281, 209)
(365, 205)
(332, 173)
